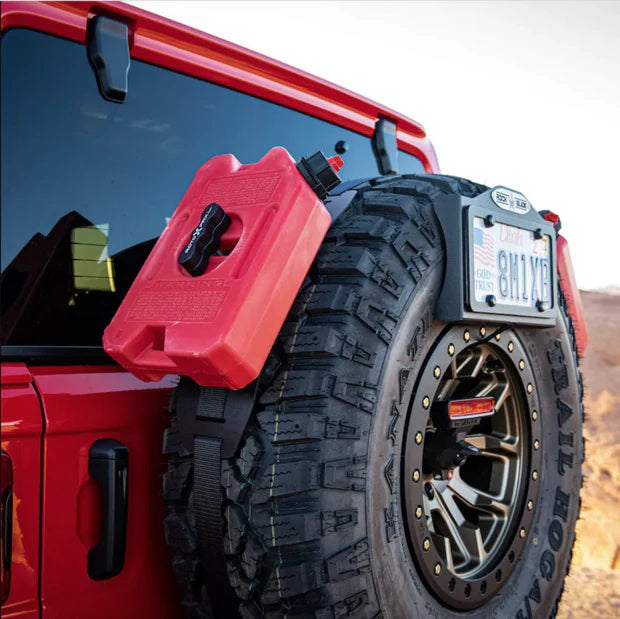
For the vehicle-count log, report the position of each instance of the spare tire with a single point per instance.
(347, 498)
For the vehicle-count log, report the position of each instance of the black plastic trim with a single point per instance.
(336, 205)
(347, 185)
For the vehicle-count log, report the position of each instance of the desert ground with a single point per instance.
(593, 585)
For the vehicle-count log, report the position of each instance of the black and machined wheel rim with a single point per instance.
(468, 516)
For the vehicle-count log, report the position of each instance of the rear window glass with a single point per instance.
(87, 185)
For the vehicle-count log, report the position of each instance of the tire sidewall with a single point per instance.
(536, 583)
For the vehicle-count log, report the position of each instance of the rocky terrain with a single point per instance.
(593, 586)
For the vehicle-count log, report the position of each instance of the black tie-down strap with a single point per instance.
(210, 525)
(212, 421)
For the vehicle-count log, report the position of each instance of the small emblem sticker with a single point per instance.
(510, 200)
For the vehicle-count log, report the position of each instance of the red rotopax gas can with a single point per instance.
(218, 327)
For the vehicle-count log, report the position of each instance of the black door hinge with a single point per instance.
(108, 50)
(384, 147)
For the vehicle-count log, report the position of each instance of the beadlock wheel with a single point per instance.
(468, 525)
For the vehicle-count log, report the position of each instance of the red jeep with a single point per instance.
(408, 442)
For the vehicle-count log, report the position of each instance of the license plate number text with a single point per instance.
(511, 266)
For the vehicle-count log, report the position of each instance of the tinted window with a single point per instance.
(87, 184)
(408, 164)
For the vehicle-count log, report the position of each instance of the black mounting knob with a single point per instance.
(205, 239)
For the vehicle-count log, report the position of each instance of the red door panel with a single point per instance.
(83, 405)
(22, 425)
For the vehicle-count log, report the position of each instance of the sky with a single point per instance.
(521, 94)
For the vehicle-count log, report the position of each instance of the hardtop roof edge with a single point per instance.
(163, 42)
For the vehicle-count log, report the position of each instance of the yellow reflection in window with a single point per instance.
(92, 268)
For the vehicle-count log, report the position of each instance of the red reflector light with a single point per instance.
(476, 407)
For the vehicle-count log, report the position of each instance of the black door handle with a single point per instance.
(108, 465)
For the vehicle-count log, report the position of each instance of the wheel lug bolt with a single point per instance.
(522, 533)
(534, 475)
(429, 491)
(511, 346)
(418, 512)
(466, 336)
(418, 437)
(426, 544)
(437, 569)
(426, 401)
(498, 336)
(437, 372)
(451, 349)
(530, 505)
(536, 444)
(483, 331)
(530, 388)
(416, 476)
(534, 415)
(521, 364)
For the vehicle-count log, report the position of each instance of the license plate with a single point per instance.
(511, 266)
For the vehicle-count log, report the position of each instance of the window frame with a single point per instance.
(168, 45)
(171, 45)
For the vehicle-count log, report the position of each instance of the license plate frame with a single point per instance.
(526, 229)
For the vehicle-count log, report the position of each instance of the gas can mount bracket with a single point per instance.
(216, 412)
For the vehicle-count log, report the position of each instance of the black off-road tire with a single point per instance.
(314, 502)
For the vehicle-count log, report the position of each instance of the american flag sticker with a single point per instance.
(484, 248)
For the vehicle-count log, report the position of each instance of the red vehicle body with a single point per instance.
(52, 413)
